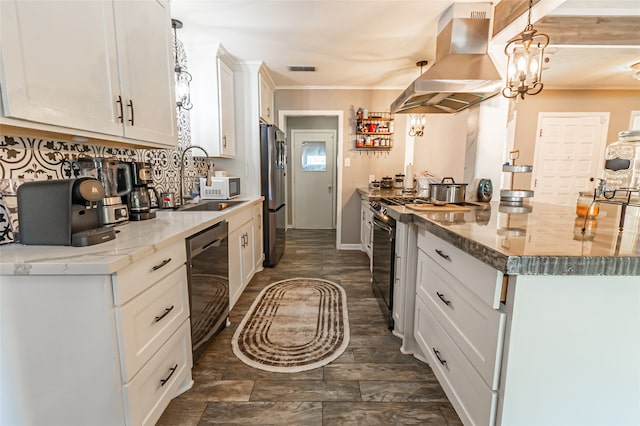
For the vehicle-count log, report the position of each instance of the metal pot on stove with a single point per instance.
(448, 191)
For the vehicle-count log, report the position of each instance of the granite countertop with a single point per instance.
(134, 241)
(547, 241)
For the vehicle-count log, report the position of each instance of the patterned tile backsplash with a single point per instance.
(27, 158)
(39, 159)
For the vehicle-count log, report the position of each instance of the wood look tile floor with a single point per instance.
(372, 383)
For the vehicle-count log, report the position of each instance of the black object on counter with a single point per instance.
(61, 212)
(485, 190)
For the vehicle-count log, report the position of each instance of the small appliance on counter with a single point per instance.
(221, 188)
(115, 177)
(62, 212)
(485, 190)
(139, 200)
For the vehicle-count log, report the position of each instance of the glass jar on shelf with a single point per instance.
(622, 162)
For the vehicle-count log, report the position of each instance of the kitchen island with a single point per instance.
(526, 318)
(101, 334)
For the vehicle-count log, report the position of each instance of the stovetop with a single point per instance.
(401, 201)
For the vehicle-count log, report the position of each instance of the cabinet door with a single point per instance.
(258, 241)
(227, 110)
(266, 100)
(146, 67)
(248, 257)
(60, 64)
(235, 266)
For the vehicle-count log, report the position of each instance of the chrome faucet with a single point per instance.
(182, 169)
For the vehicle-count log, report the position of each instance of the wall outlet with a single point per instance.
(372, 178)
(347, 162)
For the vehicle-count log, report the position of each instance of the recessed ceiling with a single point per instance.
(371, 43)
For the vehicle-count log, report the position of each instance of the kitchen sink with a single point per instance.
(210, 205)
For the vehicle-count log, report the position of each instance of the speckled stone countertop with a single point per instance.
(547, 241)
(134, 241)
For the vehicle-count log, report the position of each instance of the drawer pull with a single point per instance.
(161, 264)
(445, 301)
(166, 312)
(442, 361)
(172, 370)
(443, 255)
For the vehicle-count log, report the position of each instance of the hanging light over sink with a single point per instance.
(182, 77)
(524, 65)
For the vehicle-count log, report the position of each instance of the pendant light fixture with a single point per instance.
(183, 78)
(524, 66)
(417, 121)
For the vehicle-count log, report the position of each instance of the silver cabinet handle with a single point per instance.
(224, 141)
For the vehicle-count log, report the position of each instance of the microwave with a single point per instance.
(221, 188)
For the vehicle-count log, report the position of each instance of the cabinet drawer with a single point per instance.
(474, 402)
(160, 380)
(481, 278)
(475, 327)
(148, 320)
(137, 277)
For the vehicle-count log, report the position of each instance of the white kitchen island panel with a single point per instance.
(572, 351)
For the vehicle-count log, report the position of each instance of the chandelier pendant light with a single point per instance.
(417, 122)
(524, 66)
(182, 77)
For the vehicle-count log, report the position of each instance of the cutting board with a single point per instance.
(421, 207)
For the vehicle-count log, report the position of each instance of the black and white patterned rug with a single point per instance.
(294, 325)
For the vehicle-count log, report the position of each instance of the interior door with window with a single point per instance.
(313, 179)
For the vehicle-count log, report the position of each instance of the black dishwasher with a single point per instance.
(208, 278)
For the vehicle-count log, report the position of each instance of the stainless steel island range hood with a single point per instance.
(463, 74)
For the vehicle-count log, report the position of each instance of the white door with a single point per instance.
(569, 152)
(313, 179)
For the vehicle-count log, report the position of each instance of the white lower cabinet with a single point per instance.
(473, 400)
(459, 326)
(242, 251)
(96, 349)
(366, 230)
(149, 393)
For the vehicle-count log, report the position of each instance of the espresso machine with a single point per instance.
(142, 196)
(115, 177)
(70, 216)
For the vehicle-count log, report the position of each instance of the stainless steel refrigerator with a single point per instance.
(273, 167)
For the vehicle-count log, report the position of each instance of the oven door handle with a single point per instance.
(381, 225)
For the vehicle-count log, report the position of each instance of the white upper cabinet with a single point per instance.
(102, 67)
(267, 89)
(212, 94)
(145, 58)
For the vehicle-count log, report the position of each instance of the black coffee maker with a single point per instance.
(142, 197)
(62, 212)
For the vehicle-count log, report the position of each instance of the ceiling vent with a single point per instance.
(302, 68)
(463, 74)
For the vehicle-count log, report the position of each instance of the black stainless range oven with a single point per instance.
(384, 252)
